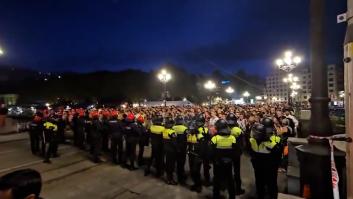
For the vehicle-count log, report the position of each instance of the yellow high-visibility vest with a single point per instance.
(179, 129)
(203, 130)
(194, 138)
(236, 132)
(48, 125)
(223, 142)
(264, 147)
(168, 134)
(156, 129)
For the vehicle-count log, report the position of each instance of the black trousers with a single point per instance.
(157, 154)
(35, 141)
(49, 145)
(105, 141)
(117, 148)
(223, 175)
(141, 151)
(265, 177)
(170, 157)
(195, 169)
(237, 177)
(96, 145)
(181, 159)
(80, 138)
(206, 169)
(131, 143)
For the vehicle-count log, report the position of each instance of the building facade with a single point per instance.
(277, 90)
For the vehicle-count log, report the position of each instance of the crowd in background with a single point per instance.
(117, 132)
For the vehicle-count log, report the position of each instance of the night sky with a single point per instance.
(200, 35)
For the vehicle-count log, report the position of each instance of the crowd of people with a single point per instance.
(204, 136)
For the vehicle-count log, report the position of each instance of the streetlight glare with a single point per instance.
(288, 62)
(210, 85)
(246, 94)
(297, 60)
(279, 62)
(288, 54)
(1, 51)
(229, 90)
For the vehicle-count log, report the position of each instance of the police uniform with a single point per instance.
(205, 154)
(194, 149)
(223, 151)
(143, 139)
(180, 130)
(236, 131)
(265, 157)
(170, 150)
(35, 132)
(132, 136)
(96, 138)
(49, 142)
(116, 131)
(156, 135)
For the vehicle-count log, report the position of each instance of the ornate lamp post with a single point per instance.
(291, 80)
(164, 77)
(288, 62)
(210, 85)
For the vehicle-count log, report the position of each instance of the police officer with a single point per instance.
(49, 142)
(156, 136)
(224, 149)
(143, 139)
(116, 131)
(265, 157)
(80, 130)
(180, 130)
(237, 133)
(35, 133)
(200, 122)
(132, 138)
(96, 136)
(170, 149)
(194, 141)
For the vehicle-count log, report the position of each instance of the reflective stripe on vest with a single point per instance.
(179, 129)
(264, 147)
(156, 129)
(168, 133)
(194, 138)
(223, 142)
(236, 132)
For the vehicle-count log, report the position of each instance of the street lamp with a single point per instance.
(288, 62)
(164, 77)
(1, 51)
(210, 85)
(291, 80)
(246, 94)
(229, 90)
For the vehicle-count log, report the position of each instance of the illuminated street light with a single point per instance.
(1, 51)
(230, 90)
(291, 80)
(164, 77)
(288, 62)
(246, 94)
(210, 85)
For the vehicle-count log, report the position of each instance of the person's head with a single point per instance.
(21, 184)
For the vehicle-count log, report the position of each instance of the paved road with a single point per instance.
(73, 176)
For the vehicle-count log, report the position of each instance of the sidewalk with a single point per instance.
(9, 132)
